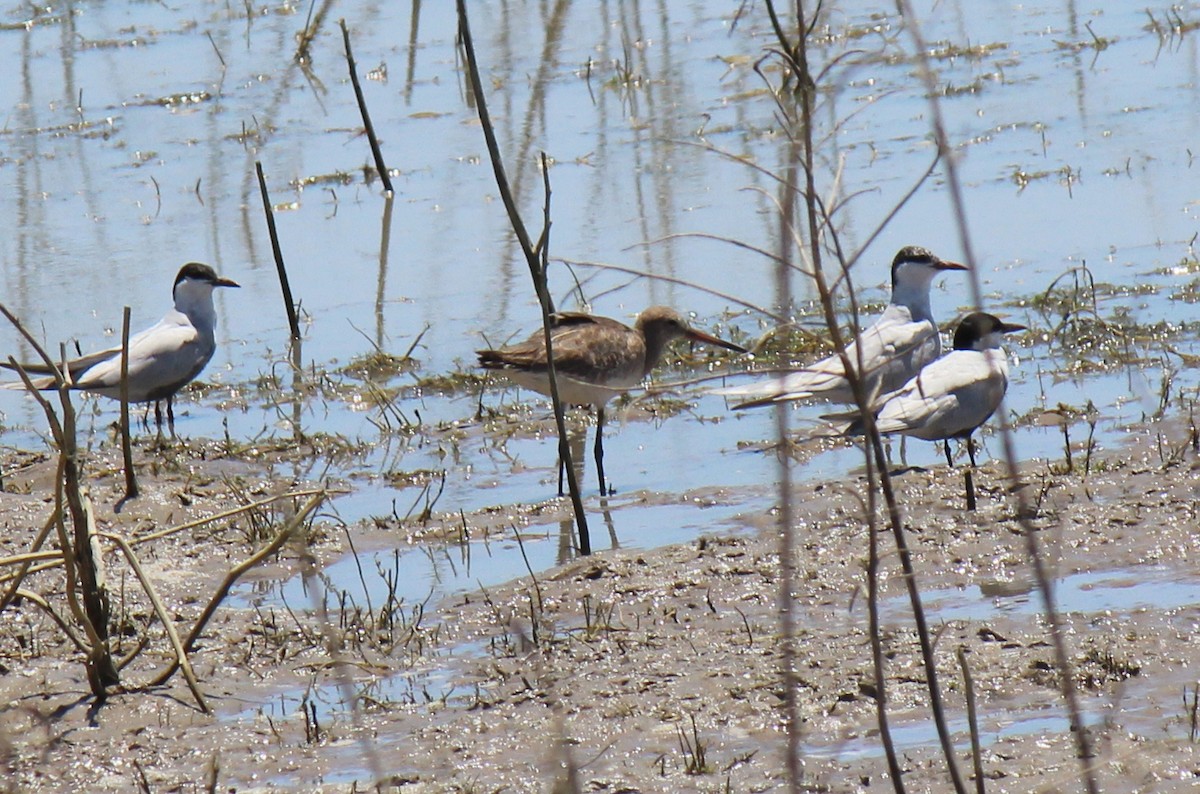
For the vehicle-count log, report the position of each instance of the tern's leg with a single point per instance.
(158, 418)
(949, 460)
(604, 491)
(970, 475)
(171, 414)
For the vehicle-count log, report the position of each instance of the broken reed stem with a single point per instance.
(180, 654)
(533, 259)
(131, 486)
(88, 563)
(1025, 513)
(236, 573)
(385, 237)
(972, 719)
(29, 557)
(366, 117)
(293, 321)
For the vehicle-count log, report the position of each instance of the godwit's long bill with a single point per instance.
(904, 339)
(595, 359)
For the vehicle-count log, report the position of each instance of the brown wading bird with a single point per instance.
(595, 359)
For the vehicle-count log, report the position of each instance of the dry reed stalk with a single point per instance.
(131, 486)
(237, 572)
(972, 720)
(181, 657)
(84, 565)
(277, 252)
(27, 560)
(156, 535)
(534, 257)
(366, 117)
(44, 605)
(819, 228)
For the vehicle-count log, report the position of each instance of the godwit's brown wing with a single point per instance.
(599, 356)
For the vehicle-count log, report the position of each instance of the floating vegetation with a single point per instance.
(946, 50)
(1187, 266)
(379, 365)
(951, 90)
(38, 19)
(1066, 176)
(100, 128)
(1188, 293)
(1098, 43)
(175, 100)
(335, 178)
(458, 382)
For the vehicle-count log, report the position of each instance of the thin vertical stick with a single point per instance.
(293, 321)
(366, 117)
(131, 486)
(536, 270)
(787, 540)
(972, 720)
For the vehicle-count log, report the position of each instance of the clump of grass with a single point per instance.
(693, 749)
(1102, 666)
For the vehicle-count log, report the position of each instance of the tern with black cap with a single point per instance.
(953, 396)
(163, 358)
(904, 339)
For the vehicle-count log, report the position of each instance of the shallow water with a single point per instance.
(1093, 592)
(131, 137)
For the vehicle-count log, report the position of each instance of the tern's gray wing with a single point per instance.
(892, 349)
(161, 360)
(952, 396)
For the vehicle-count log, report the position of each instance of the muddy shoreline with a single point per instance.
(637, 670)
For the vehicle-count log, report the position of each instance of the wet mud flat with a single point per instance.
(641, 670)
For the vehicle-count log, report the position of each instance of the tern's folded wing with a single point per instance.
(879, 346)
(165, 354)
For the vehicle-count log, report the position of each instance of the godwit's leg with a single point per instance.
(949, 460)
(604, 490)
